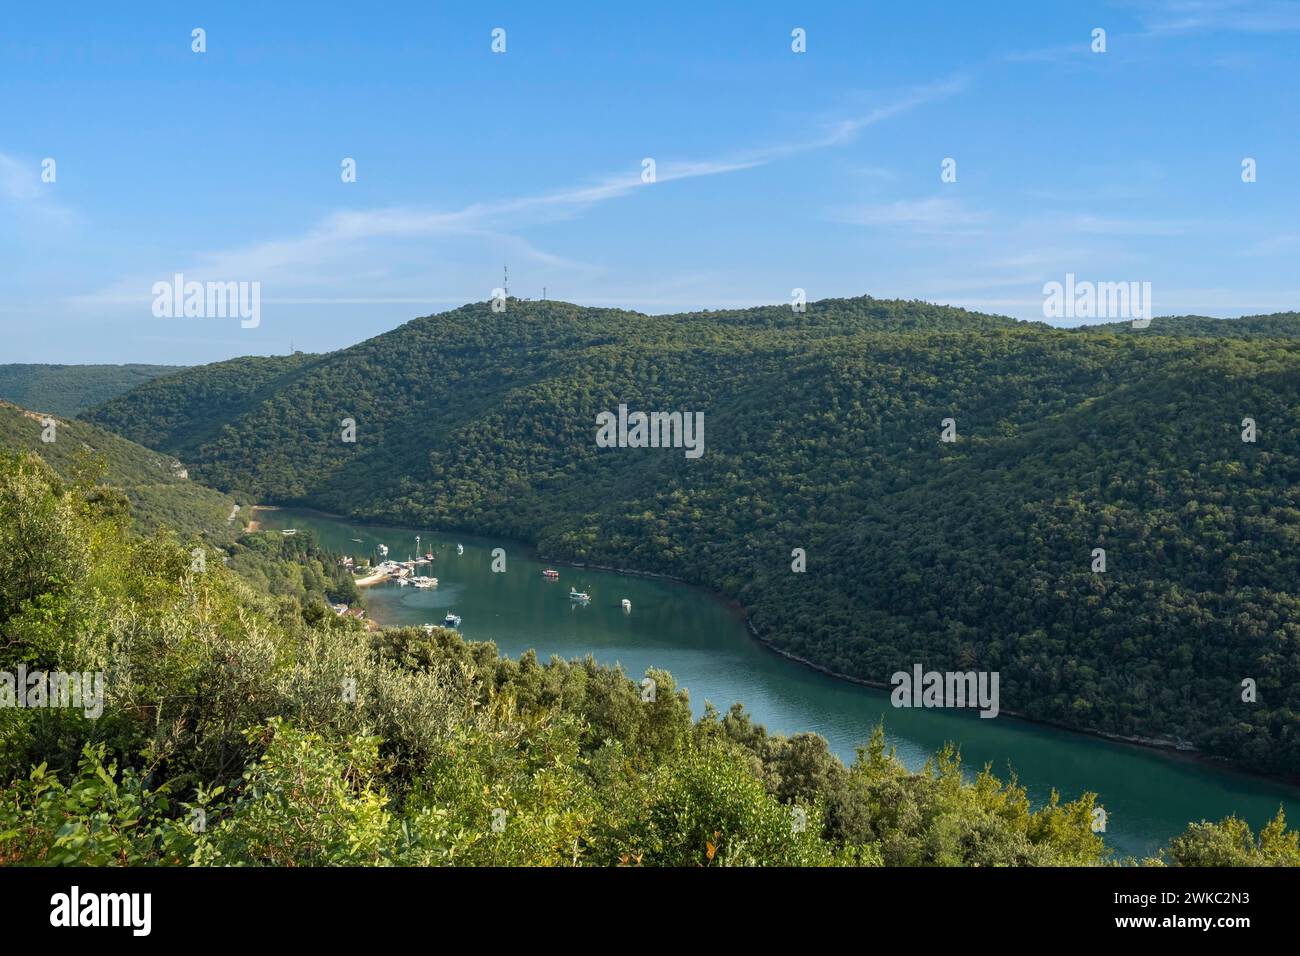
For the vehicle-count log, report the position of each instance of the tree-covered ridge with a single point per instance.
(238, 730)
(822, 433)
(71, 389)
(183, 413)
(156, 487)
(1277, 325)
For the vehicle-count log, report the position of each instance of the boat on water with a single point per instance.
(627, 605)
(551, 575)
(289, 531)
(580, 596)
(460, 549)
(451, 620)
(424, 582)
(382, 549)
(356, 540)
(428, 555)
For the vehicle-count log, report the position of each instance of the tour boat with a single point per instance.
(552, 575)
(582, 596)
(451, 620)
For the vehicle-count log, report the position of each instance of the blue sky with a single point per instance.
(775, 170)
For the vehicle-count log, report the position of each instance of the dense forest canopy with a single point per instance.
(157, 486)
(823, 433)
(71, 389)
(240, 728)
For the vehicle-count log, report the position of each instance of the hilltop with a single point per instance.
(823, 433)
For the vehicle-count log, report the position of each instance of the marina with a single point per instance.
(1149, 796)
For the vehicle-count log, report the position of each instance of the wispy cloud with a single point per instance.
(1274, 245)
(18, 181)
(1117, 226)
(1048, 54)
(328, 252)
(935, 214)
(29, 202)
(1162, 17)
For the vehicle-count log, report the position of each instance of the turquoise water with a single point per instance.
(1148, 796)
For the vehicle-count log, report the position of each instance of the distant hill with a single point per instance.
(71, 389)
(1279, 325)
(823, 433)
(157, 485)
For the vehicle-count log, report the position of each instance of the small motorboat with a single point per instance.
(551, 575)
(627, 605)
(460, 549)
(451, 620)
(424, 582)
(382, 549)
(582, 597)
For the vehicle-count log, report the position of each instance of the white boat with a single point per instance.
(460, 549)
(382, 549)
(424, 582)
(428, 628)
(627, 605)
(451, 620)
(580, 596)
(289, 531)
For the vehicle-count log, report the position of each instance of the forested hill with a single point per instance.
(71, 389)
(823, 433)
(1285, 325)
(156, 486)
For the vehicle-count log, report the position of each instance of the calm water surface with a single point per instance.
(1149, 797)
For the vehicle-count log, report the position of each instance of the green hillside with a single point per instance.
(301, 740)
(156, 485)
(822, 433)
(71, 389)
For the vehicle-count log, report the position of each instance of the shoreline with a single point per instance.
(1155, 745)
(1164, 748)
